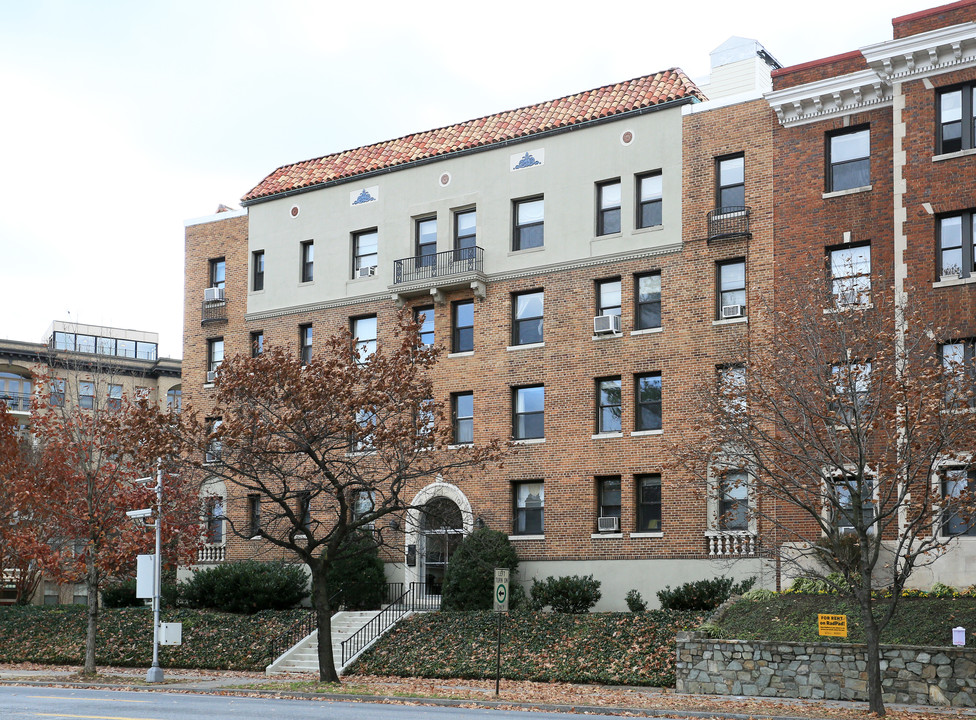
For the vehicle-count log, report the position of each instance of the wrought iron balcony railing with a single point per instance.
(16, 402)
(214, 311)
(438, 266)
(727, 222)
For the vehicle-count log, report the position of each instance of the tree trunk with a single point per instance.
(91, 584)
(872, 656)
(323, 622)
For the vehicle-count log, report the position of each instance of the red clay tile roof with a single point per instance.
(590, 105)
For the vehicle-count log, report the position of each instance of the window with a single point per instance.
(462, 417)
(850, 275)
(364, 333)
(215, 354)
(57, 393)
(305, 343)
(217, 269)
(957, 361)
(426, 242)
(647, 402)
(648, 503)
(957, 236)
(529, 405)
(529, 505)
(254, 515)
(142, 393)
(852, 385)
(426, 419)
(608, 297)
(608, 405)
(363, 503)
(105, 346)
(608, 208)
(527, 317)
(649, 200)
(365, 422)
(174, 400)
(731, 183)
(307, 273)
(212, 454)
(214, 515)
(364, 246)
(125, 348)
(257, 270)
(529, 224)
(424, 317)
(849, 160)
(303, 510)
(957, 120)
(843, 512)
(85, 343)
(146, 351)
(731, 289)
(732, 389)
(257, 343)
(86, 394)
(648, 308)
(462, 326)
(465, 234)
(64, 341)
(955, 520)
(114, 401)
(733, 501)
(609, 492)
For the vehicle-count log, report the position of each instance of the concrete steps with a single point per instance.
(303, 657)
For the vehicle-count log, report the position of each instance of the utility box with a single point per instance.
(145, 576)
(959, 636)
(170, 633)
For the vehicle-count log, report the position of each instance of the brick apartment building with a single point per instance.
(588, 263)
(87, 366)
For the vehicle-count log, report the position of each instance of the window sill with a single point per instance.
(601, 436)
(953, 155)
(257, 292)
(607, 336)
(642, 433)
(526, 250)
(732, 321)
(526, 346)
(458, 446)
(649, 228)
(646, 534)
(954, 281)
(465, 353)
(207, 386)
(528, 441)
(647, 331)
(606, 536)
(848, 308)
(526, 537)
(609, 236)
(362, 453)
(306, 283)
(848, 191)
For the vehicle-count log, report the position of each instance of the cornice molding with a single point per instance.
(841, 95)
(934, 51)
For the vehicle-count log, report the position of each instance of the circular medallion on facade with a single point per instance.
(295, 211)
(626, 137)
(445, 179)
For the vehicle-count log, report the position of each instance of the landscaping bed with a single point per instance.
(211, 640)
(792, 617)
(611, 648)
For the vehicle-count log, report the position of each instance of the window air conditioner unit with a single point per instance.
(211, 376)
(213, 294)
(366, 271)
(608, 524)
(732, 311)
(603, 324)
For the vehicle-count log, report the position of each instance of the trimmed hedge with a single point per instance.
(213, 641)
(612, 648)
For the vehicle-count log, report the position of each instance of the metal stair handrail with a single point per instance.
(413, 598)
(300, 631)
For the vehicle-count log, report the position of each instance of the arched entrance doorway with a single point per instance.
(439, 519)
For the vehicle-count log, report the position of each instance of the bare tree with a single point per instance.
(846, 427)
(318, 448)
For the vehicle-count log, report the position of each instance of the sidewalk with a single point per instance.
(552, 697)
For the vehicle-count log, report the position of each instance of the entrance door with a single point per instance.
(441, 532)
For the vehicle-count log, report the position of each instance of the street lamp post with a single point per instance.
(155, 673)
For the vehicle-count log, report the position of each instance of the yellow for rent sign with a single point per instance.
(833, 625)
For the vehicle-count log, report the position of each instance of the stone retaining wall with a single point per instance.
(832, 671)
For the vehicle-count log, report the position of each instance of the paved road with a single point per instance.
(34, 703)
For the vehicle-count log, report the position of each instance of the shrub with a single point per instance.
(358, 574)
(570, 594)
(121, 594)
(705, 594)
(635, 603)
(943, 591)
(470, 577)
(246, 587)
(758, 595)
(818, 586)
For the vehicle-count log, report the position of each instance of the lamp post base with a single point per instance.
(154, 674)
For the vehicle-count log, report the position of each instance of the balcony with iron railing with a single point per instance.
(728, 222)
(214, 311)
(16, 402)
(451, 269)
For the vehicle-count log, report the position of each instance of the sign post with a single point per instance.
(500, 602)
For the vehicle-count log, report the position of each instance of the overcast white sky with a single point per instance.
(120, 120)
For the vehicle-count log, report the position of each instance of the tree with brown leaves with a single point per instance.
(847, 427)
(315, 449)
